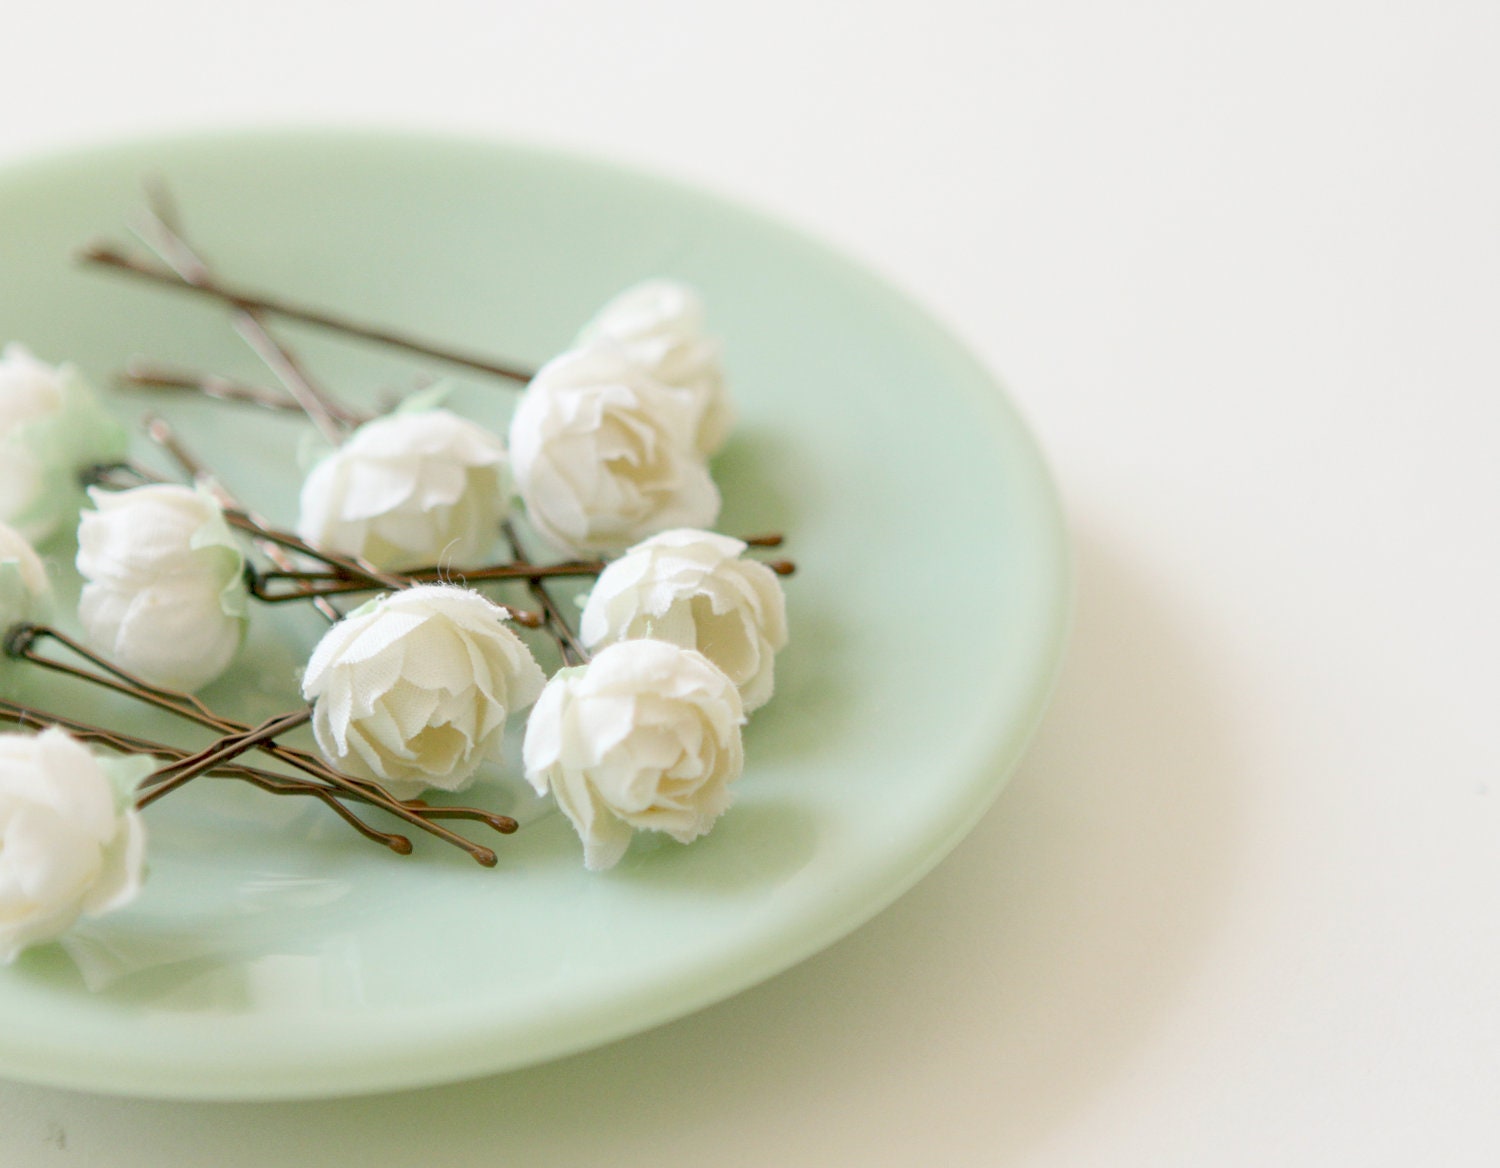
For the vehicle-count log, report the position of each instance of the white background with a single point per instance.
(1240, 265)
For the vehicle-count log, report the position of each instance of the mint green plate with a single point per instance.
(274, 954)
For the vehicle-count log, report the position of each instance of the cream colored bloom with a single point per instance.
(692, 588)
(51, 428)
(24, 587)
(659, 324)
(603, 454)
(414, 688)
(164, 589)
(71, 843)
(645, 737)
(408, 490)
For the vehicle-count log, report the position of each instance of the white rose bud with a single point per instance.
(71, 843)
(603, 454)
(51, 428)
(408, 490)
(164, 590)
(24, 587)
(692, 588)
(413, 688)
(659, 324)
(646, 736)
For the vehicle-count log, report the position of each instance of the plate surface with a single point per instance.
(273, 952)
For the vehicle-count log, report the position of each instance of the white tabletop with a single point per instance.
(1240, 265)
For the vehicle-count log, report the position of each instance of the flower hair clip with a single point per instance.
(416, 529)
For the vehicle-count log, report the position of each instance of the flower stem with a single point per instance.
(349, 565)
(244, 300)
(366, 578)
(21, 641)
(268, 781)
(333, 583)
(222, 750)
(573, 653)
(165, 437)
(338, 584)
(348, 574)
(143, 373)
(161, 433)
(157, 227)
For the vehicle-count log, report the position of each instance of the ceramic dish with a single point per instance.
(274, 954)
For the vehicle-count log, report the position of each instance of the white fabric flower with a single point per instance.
(646, 736)
(51, 428)
(24, 587)
(164, 590)
(659, 323)
(408, 490)
(603, 454)
(71, 842)
(413, 688)
(692, 588)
